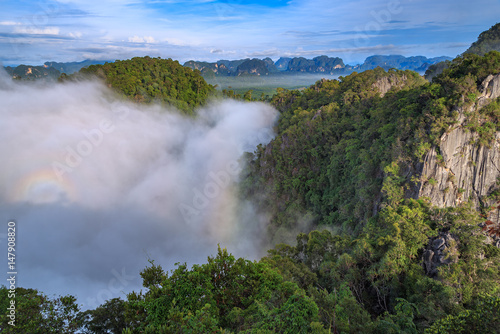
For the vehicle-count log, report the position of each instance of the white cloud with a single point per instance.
(145, 39)
(37, 31)
(77, 34)
(9, 23)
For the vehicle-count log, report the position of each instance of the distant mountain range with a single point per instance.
(49, 71)
(248, 67)
(487, 41)
(320, 64)
(28, 72)
(70, 68)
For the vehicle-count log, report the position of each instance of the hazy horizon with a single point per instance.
(34, 32)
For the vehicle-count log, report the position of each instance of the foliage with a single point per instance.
(107, 318)
(483, 317)
(146, 79)
(224, 294)
(327, 283)
(436, 69)
(343, 151)
(36, 313)
(487, 41)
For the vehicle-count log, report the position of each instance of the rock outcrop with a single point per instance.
(441, 250)
(385, 83)
(461, 170)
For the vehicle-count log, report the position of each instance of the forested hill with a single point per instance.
(146, 79)
(404, 172)
(397, 179)
(391, 185)
(488, 40)
(346, 149)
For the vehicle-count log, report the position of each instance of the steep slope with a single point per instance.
(465, 163)
(346, 149)
(334, 140)
(487, 41)
(405, 185)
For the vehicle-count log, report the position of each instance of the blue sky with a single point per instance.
(32, 32)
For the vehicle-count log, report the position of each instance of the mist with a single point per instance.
(98, 185)
(288, 80)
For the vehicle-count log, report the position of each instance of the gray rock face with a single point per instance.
(386, 83)
(465, 171)
(490, 90)
(491, 86)
(441, 250)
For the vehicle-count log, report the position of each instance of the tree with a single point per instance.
(224, 294)
(38, 314)
(107, 318)
(483, 317)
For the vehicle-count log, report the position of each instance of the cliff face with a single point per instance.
(463, 170)
(385, 83)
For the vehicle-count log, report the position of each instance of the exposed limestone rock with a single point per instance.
(465, 171)
(441, 250)
(462, 171)
(386, 83)
(491, 86)
(490, 90)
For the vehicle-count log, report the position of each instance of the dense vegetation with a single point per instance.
(343, 166)
(344, 158)
(146, 79)
(343, 152)
(487, 41)
(327, 283)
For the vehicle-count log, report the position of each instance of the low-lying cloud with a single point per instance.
(97, 185)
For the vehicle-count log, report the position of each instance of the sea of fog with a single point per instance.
(97, 186)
